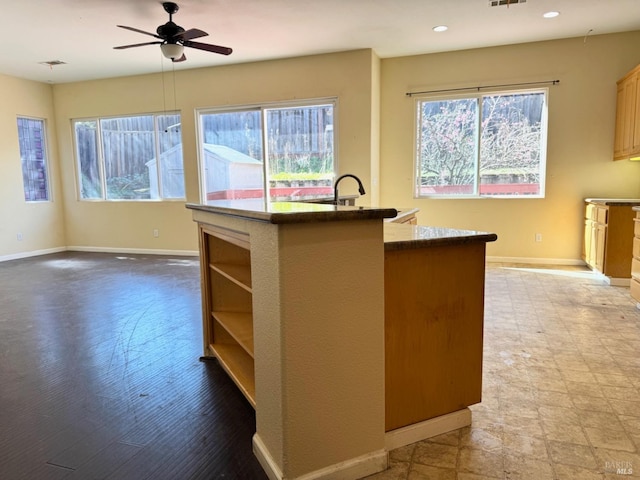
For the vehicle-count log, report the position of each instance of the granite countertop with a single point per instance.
(405, 237)
(291, 212)
(613, 201)
(396, 236)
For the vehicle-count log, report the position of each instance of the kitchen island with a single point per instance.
(306, 306)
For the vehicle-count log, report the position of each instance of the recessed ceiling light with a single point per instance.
(440, 28)
(551, 14)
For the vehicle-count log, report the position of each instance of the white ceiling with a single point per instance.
(82, 33)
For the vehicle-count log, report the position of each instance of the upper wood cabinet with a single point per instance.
(627, 135)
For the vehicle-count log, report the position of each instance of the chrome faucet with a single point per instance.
(335, 186)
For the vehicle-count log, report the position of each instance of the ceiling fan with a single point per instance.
(173, 38)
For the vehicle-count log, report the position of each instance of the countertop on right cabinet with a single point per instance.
(614, 201)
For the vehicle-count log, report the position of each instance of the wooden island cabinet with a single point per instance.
(347, 334)
(434, 322)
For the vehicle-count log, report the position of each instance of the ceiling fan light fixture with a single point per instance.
(172, 51)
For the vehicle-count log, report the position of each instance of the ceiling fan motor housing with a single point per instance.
(169, 30)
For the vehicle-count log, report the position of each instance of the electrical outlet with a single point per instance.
(156, 233)
(538, 237)
(19, 237)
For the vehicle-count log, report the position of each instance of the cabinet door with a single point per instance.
(593, 244)
(586, 246)
(635, 147)
(626, 111)
(629, 112)
(618, 146)
(600, 244)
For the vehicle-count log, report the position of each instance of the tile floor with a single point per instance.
(561, 388)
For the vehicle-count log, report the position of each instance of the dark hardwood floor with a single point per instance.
(100, 374)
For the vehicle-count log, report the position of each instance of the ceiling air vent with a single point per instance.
(500, 3)
(52, 63)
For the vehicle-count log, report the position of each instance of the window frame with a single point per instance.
(45, 148)
(434, 97)
(263, 109)
(101, 159)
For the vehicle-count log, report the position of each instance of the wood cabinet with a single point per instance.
(627, 133)
(635, 261)
(434, 317)
(608, 238)
(227, 304)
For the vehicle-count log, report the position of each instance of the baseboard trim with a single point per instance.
(134, 251)
(34, 253)
(616, 282)
(536, 261)
(265, 459)
(131, 251)
(429, 428)
(353, 468)
(195, 253)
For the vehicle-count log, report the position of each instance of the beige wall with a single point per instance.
(373, 197)
(40, 223)
(370, 92)
(127, 225)
(580, 146)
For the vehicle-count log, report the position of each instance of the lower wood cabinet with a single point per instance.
(635, 261)
(608, 239)
(434, 319)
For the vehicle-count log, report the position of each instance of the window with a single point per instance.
(285, 149)
(33, 156)
(130, 158)
(490, 145)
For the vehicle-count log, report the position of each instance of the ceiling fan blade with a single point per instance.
(189, 34)
(207, 47)
(139, 31)
(181, 59)
(137, 45)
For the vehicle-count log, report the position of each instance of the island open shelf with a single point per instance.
(228, 305)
